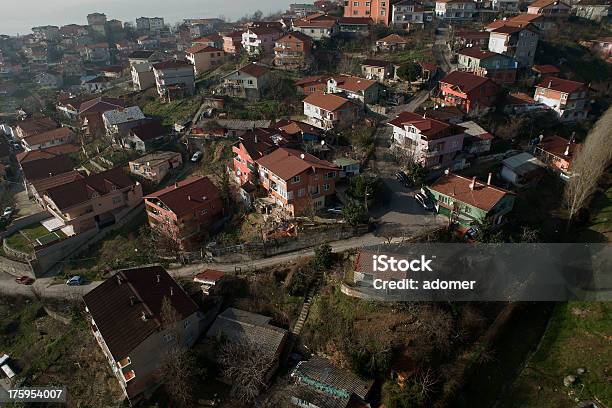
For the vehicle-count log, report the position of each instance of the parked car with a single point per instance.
(74, 281)
(335, 210)
(8, 211)
(424, 201)
(24, 280)
(471, 232)
(404, 179)
(196, 157)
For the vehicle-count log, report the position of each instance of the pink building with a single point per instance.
(427, 141)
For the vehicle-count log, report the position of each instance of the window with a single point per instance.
(204, 211)
(168, 337)
(330, 175)
(356, 4)
(186, 324)
(117, 200)
(295, 180)
(301, 192)
(325, 187)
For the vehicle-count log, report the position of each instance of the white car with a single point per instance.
(196, 157)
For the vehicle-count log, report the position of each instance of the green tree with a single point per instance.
(417, 173)
(410, 71)
(355, 213)
(488, 232)
(323, 258)
(396, 397)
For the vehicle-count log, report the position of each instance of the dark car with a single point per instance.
(24, 280)
(424, 201)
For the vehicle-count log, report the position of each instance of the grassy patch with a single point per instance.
(25, 239)
(577, 337)
(172, 112)
(600, 224)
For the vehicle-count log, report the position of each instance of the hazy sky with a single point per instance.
(18, 16)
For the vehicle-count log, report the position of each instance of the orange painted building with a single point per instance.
(378, 10)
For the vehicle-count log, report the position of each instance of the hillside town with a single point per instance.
(190, 208)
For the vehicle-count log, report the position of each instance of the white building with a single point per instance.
(408, 13)
(142, 76)
(518, 42)
(455, 9)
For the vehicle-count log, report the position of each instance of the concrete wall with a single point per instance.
(22, 222)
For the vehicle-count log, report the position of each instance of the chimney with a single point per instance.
(132, 300)
(203, 198)
(255, 138)
(302, 156)
(550, 84)
(189, 197)
(171, 291)
(176, 185)
(567, 147)
(157, 278)
(541, 138)
(489, 179)
(119, 280)
(473, 183)
(143, 316)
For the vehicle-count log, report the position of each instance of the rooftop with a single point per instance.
(329, 102)
(286, 163)
(186, 196)
(561, 85)
(481, 196)
(118, 116)
(50, 135)
(430, 128)
(465, 81)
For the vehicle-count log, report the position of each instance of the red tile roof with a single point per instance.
(148, 131)
(545, 3)
(45, 167)
(375, 63)
(556, 145)
(326, 101)
(59, 133)
(83, 190)
(430, 128)
(286, 163)
(545, 69)
(482, 196)
(33, 126)
(209, 275)
(353, 83)
(118, 303)
(465, 81)
(196, 49)
(101, 104)
(315, 79)
(294, 35)
(255, 69)
(561, 85)
(393, 38)
(187, 195)
(477, 53)
(171, 64)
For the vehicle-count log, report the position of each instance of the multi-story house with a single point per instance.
(204, 57)
(249, 82)
(430, 142)
(540, 21)
(499, 67)
(366, 91)
(155, 166)
(96, 53)
(260, 40)
(511, 6)
(470, 38)
(118, 122)
(97, 23)
(232, 42)
(95, 201)
(33, 126)
(187, 211)
(292, 51)
(519, 42)
(50, 138)
(378, 10)
(595, 10)
(378, 70)
(603, 48)
(317, 26)
(150, 24)
(568, 99)
(558, 153)
(310, 84)
(91, 111)
(551, 8)
(455, 9)
(145, 57)
(174, 79)
(472, 93)
(142, 76)
(298, 182)
(129, 323)
(467, 201)
(46, 33)
(408, 14)
(327, 111)
(212, 40)
(251, 147)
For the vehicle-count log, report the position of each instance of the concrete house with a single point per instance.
(551, 8)
(251, 147)
(293, 51)
(260, 40)
(187, 211)
(232, 42)
(467, 201)
(126, 320)
(378, 10)
(143, 137)
(568, 99)
(408, 14)
(91, 111)
(391, 42)
(378, 70)
(118, 122)
(430, 142)
(519, 43)
(174, 79)
(249, 82)
(317, 26)
(204, 57)
(297, 182)
(595, 10)
(95, 201)
(50, 138)
(558, 154)
(522, 169)
(454, 10)
(327, 111)
(142, 76)
(155, 166)
(499, 67)
(366, 91)
(474, 94)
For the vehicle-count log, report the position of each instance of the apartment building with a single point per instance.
(292, 51)
(187, 211)
(568, 99)
(317, 26)
(474, 94)
(366, 91)
(298, 182)
(519, 42)
(156, 166)
(378, 10)
(430, 142)
(454, 10)
(174, 79)
(232, 42)
(260, 40)
(204, 57)
(251, 147)
(499, 67)
(408, 14)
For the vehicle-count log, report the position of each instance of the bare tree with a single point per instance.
(246, 365)
(426, 380)
(588, 166)
(178, 364)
